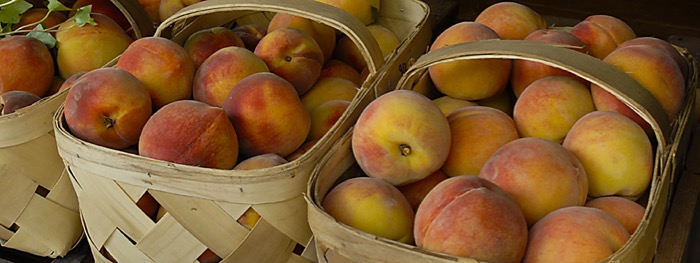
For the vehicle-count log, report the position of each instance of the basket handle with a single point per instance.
(310, 9)
(618, 83)
(137, 17)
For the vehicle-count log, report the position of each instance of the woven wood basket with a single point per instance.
(38, 205)
(336, 242)
(203, 205)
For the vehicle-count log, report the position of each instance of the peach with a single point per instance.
(324, 116)
(449, 104)
(327, 89)
(293, 55)
(347, 52)
(250, 34)
(549, 106)
(152, 10)
(654, 70)
(602, 33)
(575, 234)
(201, 44)
(541, 175)
(104, 7)
(89, 47)
(215, 78)
(190, 132)
(415, 192)
(163, 66)
(323, 34)
(249, 218)
(471, 217)
(70, 80)
(14, 100)
(526, 71)
(335, 68)
(55, 86)
(303, 149)
(373, 206)
(388, 40)
(477, 132)
(208, 256)
(27, 65)
(664, 46)
(108, 107)
(504, 101)
(401, 137)
(425, 86)
(628, 212)
(267, 114)
(169, 7)
(511, 20)
(366, 11)
(149, 205)
(260, 161)
(34, 15)
(615, 152)
(469, 79)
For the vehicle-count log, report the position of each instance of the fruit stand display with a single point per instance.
(141, 203)
(39, 211)
(420, 224)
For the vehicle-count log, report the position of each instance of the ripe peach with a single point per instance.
(250, 34)
(208, 256)
(169, 7)
(89, 47)
(664, 46)
(215, 78)
(366, 11)
(549, 106)
(615, 152)
(108, 107)
(190, 132)
(347, 52)
(477, 132)
(149, 205)
(56, 83)
(449, 104)
(324, 116)
(575, 234)
(602, 33)
(526, 71)
(14, 100)
(654, 70)
(104, 7)
(249, 218)
(511, 20)
(303, 149)
(504, 101)
(70, 80)
(471, 217)
(401, 137)
(293, 55)
(267, 114)
(415, 192)
(373, 206)
(201, 44)
(324, 35)
(469, 79)
(541, 175)
(335, 68)
(425, 86)
(628, 212)
(388, 40)
(152, 8)
(35, 14)
(260, 161)
(162, 66)
(27, 65)
(327, 89)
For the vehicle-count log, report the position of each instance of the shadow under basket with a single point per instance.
(337, 242)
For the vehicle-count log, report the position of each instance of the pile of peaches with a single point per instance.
(512, 160)
(226, 95)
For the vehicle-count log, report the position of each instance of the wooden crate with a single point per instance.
(335, 241)
(204, 204)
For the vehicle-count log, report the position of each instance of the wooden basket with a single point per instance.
(38, 206)
(204, 204)
(336, 242)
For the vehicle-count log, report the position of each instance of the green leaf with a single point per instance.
(55, 5)
(82, 16)
(9, 14)
(45, 37)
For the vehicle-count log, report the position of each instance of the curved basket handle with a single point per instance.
(137, 17)
(309, 9)
(624, 87)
